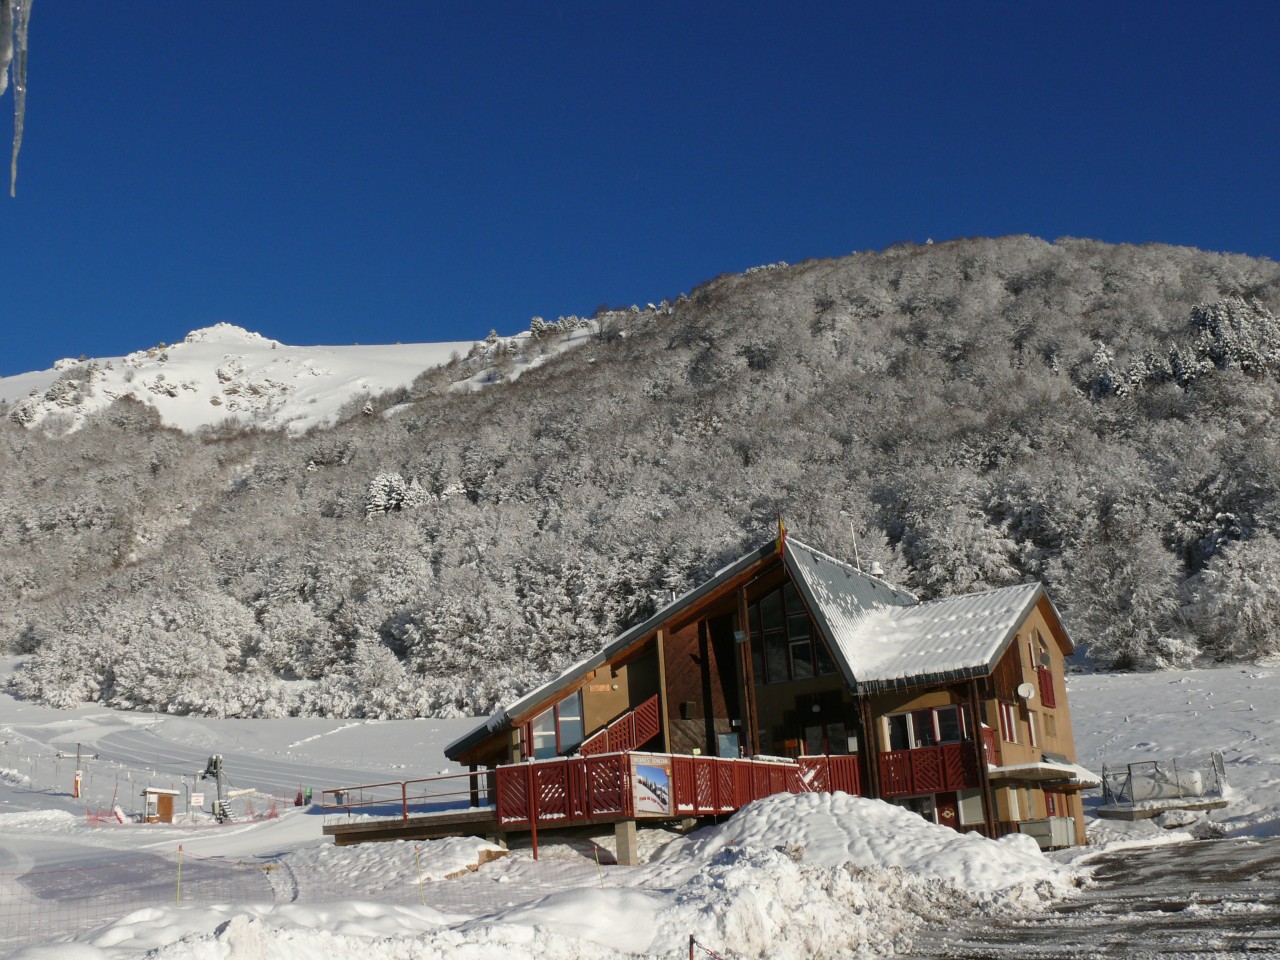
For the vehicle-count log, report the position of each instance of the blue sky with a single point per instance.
(326, 172)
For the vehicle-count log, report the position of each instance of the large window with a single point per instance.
(926, 728)
(784, 645)
(557, 729)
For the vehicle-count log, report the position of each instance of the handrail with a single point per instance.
(353, 800)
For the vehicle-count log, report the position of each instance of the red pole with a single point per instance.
(533, 810)
(691, 946)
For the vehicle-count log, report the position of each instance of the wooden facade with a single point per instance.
(745, 667)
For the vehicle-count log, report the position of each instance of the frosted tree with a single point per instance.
(1235, 600)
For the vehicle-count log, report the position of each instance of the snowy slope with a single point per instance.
(225, 371)
(787, 877)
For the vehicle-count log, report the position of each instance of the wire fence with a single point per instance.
(1154, 782)
(109, 788)
(46, 904)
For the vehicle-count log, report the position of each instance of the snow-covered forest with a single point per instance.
(980, 412)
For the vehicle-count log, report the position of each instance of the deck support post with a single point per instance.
(624, 835)
(990, 816)
(474, 781)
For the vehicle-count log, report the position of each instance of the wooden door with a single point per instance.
(948, 810)
(164, 808)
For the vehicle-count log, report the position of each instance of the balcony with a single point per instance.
(949, 766)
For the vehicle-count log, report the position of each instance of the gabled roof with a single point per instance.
(882, 636)
(572, 676)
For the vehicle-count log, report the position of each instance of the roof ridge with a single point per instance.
(851, 568)
(981, 593)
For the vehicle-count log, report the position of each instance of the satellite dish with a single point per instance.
(1026, 691)
(1045, 659)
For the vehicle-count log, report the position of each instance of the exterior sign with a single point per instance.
(197, 799)
(651, 785)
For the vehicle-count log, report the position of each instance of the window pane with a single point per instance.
(775, 654)
(949, 725)
(813, 740)
(793, 601)
(771, 612)
(797, 627)
(837, 738)
(801, 659)
(544, 735)
(570, 716)
(898, 737)
(924, 728)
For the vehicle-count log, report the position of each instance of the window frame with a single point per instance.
(773, 648)
(530, 737)
(1008, 721)
(912, 718)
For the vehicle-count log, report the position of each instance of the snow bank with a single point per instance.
(833, 829)
(374, 867)
(745, 902)
(789, 877)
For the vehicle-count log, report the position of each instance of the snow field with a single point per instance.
(788, 877)
(852, 878)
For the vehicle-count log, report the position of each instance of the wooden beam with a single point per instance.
(984, 779)
(750, 719)
(662, 691)
(868, 746)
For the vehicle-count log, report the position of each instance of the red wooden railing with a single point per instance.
(572, 790)
(990, 746)
(951, 766)
(633, 729)
(827, 774)
(565, 790)
(1045, 676)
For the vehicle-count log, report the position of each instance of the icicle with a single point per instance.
(6, 42)
(21, 16)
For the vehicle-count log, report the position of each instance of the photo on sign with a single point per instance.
(651, 787)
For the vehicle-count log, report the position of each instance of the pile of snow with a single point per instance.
(835, 828)
(372, 868)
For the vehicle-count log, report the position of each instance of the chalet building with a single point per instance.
(954, 708)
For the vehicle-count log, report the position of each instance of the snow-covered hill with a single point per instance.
(225, 371)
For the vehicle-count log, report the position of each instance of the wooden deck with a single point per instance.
(430, 826)
(568, 792)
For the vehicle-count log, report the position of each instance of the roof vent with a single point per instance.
(875, 569)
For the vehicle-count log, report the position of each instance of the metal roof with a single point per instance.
(883, 636)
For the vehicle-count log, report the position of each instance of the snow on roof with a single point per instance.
(1047, 769)
(882, 634)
